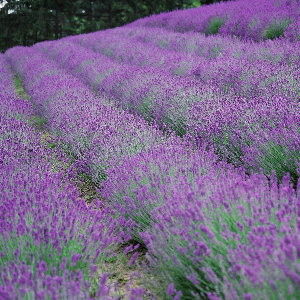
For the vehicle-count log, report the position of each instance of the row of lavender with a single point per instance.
(240, 76)
(210, 229)
(97, 133)
(257, 19)
(252, 123)
(277, 51)
(184, 54)
(51, 242)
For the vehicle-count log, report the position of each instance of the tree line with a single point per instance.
(25, 22)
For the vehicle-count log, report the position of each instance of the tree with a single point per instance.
(37, 20)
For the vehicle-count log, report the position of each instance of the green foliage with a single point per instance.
(188, 288)
(214, 25)
(276, 29)
(177, 272)
(39, 122)
(142, 217)
(191, 4)
(178, 125)
(140, 214)
(181, 69)
(215, 51)
(51, 145)
(87, 187)
(216, 261)
(229, 219)
(281, 160)
(228, 150)
(101, 174)
(145, 107)
(20, 91)
(26, 250)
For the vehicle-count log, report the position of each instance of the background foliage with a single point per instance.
(25, 22)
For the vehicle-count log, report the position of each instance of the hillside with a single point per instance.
(158, 160)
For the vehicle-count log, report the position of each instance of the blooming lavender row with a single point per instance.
(99, 134)
(276, 51)
(259, 132)
(257, 20)
(51, 242)
(241, 76)
(211, 229)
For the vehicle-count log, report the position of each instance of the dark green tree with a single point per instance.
(25, 22)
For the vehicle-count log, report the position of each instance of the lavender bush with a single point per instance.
(197, 217)
(51, 242)
(238, 245)
(257, 20)
(210, 47)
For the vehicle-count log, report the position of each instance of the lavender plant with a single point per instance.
(210, 47)
(194, 215)
(249, 20)
(51, 242)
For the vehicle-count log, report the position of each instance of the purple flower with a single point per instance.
(76, 258)
(248, 296)
(42, 267)
(171, 290)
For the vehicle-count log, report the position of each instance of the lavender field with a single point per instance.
(158, 160)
